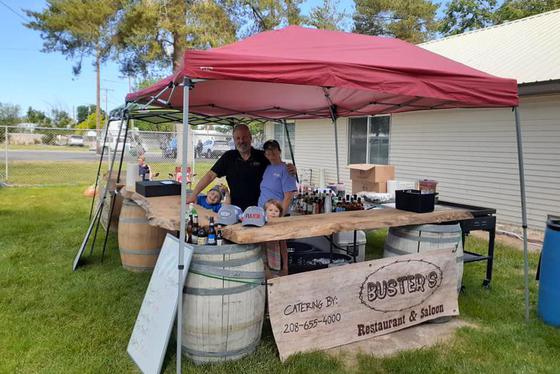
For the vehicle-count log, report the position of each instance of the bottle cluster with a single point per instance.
(200, 235)
(315, 202)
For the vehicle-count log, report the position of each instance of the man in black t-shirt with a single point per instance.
(243, 168)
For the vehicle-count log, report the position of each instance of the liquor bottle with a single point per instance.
(219, 239)
(202, 237)
(328, 203)
(360, 204)
(211, 232)
(189, 229)
(195, 230)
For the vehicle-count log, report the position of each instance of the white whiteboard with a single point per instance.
(150, 335)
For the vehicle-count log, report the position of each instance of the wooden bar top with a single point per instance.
(325, 224)
(164, 212)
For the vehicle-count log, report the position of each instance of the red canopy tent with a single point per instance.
(297, 73)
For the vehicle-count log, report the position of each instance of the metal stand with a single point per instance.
(98, 212)
(523, 208)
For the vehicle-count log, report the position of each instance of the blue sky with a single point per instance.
(45, 81)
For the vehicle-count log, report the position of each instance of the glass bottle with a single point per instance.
(202, 237)
(211, 232)
(189, 229)
(195, 230)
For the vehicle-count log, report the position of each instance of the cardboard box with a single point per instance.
(372, 172)
(359, 185)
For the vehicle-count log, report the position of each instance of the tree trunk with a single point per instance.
(98, 93)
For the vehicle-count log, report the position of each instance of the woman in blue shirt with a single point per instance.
(277, 183)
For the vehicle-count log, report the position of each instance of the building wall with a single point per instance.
(471, 152)
(314, 148)
(473, 155)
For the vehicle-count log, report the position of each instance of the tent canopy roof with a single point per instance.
(298, 72)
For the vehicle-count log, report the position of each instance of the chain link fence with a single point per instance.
(34, 156)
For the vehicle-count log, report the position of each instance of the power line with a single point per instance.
(14, 11)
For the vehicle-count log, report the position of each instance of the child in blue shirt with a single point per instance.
(213, 200)
(277, 183)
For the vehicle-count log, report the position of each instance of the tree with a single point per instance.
(83, 111)
(38, 117)
(253, 16)
(515, 9)
(410, 20)
(78, 28)
(156, 33)
(466, 15)
(327, 16)
(61, 118)
(90, 122)
(9, 114)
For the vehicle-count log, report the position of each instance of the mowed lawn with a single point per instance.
(53, 320)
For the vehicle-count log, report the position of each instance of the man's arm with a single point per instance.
(202, 184)
(292, 169)
(287, 201)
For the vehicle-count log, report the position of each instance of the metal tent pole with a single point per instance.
(181, 265)
(336, 150)
(523, 207)
(290, 145)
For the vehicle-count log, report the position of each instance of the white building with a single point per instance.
(471, 152)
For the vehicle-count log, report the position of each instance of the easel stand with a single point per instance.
(99, 209)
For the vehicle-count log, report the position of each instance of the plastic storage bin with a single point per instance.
(345, 240)
(415, 201)
(308, 261)
(549, 287)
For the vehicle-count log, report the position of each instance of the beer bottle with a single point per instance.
(189, 229)
(211, 232)
(195, 230)
(219, 239)
(202, 237)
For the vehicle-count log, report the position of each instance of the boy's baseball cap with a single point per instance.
(271, 144)
(219, 190)
(254, 216)
(229, 214)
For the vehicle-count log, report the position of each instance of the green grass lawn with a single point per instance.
(46, 147)
(54, 320)
(49, 173)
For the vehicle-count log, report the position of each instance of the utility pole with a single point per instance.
(106, 99)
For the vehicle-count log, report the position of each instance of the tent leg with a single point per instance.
(336, 151)
(290, 145)
(523, 208)
(181, 265)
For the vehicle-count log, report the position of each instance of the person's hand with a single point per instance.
(191, 199)
(292, 169)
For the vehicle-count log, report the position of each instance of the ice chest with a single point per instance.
(415, 201)
(158, 188)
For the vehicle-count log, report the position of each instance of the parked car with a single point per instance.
(76, 140)
(214, 148)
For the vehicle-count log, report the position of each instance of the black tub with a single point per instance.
(301, 262)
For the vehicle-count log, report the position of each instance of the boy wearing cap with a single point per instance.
(277, 183)
(213, 200)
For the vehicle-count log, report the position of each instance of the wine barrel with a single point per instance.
(549, 281)
(139, 242)
(407, 240)
(109, 197)
(223, 304)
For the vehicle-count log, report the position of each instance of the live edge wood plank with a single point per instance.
(326, 224)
